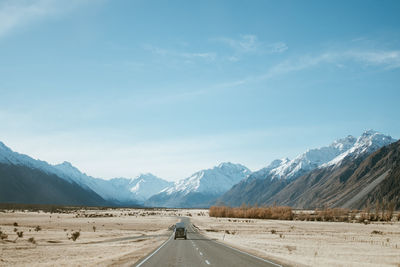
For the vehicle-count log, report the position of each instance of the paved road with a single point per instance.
(198, 250)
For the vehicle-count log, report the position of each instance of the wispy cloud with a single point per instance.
(208, 56)
(386, 59)
(250, 43)
(379, 58)
(16, 13)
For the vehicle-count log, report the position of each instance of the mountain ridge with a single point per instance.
(263, 185)
(201, 188)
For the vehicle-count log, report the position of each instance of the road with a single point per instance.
(198, 250)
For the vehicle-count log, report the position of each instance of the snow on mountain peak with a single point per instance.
(311, 159)
(344, 143)
(368, 142)
(216, 180)
(4, 147)
(145, 185)
(319, 157)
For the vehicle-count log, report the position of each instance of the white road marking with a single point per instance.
(140, 264)
(248, 254)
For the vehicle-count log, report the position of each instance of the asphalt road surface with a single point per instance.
(198, 250)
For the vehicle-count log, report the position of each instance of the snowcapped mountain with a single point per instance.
(146, 185)
(228, 182)
(216, 180)
(333, 154)
(8, 156)
(262, 185)
(121, 191)
(200, 189)
(26, 180)
(368, 142)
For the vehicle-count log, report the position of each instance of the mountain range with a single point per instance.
(287, 182)
(347, 173)
(202, 188)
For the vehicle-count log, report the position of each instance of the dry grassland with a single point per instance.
(105, 237)
(123, 236)
(308, 243)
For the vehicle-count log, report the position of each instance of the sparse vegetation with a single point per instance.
(3, 235)
(32, 240)
(273, 212)
(384, 211)
(75, 235)
(38, 228)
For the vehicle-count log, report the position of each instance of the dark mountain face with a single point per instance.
(253, 191)
(352, 184)
(20, 184)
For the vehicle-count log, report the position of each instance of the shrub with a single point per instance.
(333, 215)
(15, 224)
(75, 235)
(3, 235)
(32, 240)
(38, 228)
(273, 231)
(376, 232)
(15, 229)
(94, 228)
(20, 234)
(273, 212)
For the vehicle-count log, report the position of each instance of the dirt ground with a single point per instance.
(122, 239)
(305, 243)
(130, 234)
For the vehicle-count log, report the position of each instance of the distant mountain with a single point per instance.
(117, 191)
(146, 185)
(347, 173)
(121, 191)
(262, 186)
(202, 188)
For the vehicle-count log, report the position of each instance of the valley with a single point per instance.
(125, 237)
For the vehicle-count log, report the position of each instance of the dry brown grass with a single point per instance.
(273, 212)
(286, 213)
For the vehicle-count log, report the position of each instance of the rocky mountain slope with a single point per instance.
(202, 188)
(118, 191)
(22, 184)
(353, 184)
(276, 183)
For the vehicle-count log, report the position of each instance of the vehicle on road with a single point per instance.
(180, 231)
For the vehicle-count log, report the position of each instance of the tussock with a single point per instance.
(273, 212)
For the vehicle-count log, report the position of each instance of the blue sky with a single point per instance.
(171, 87)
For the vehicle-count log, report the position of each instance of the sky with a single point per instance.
(124, 87)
